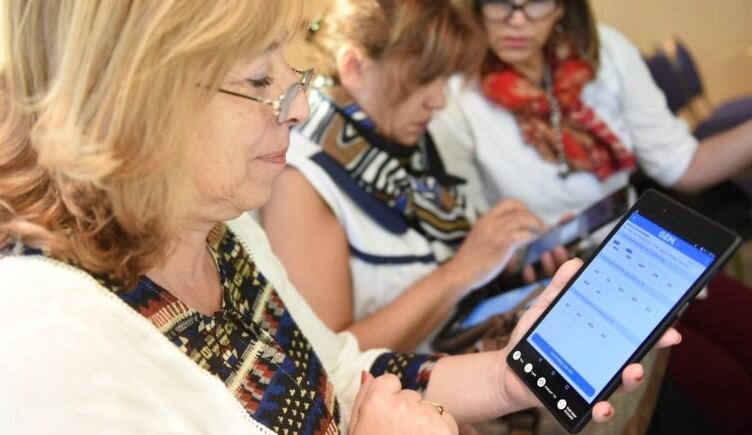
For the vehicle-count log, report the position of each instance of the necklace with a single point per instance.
(214, 259)
(562, 166)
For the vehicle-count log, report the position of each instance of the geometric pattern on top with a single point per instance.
(255, 347)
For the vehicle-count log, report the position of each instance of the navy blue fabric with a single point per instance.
(391, 260)
(725, 117)
(688, 71)
(391, 220)
(665, 76)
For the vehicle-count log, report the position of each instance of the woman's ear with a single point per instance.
(351, 64)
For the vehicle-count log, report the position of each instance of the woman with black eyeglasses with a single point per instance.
(563, 111)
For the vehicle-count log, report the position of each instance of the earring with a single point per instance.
(558, 28)
(313, 27)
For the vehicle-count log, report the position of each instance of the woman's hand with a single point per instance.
(383, 407)
(519, 394)
(549, 262)
(491, 243)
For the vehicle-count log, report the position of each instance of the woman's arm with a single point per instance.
(480, 386)
(665, 148)
(717, 158)
(312, 244)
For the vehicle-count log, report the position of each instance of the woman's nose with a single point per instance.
(437, 98)
(517, 19)
(299, 110)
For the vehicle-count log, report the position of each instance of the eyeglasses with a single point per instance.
(283, 104)
(500, 11)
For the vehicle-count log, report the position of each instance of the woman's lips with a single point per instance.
(515, 41)
(278, 158)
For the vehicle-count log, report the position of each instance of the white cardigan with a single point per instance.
(75, 359)
(481, 141)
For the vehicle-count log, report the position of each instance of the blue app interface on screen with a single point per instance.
(500, 304)
(622, 295)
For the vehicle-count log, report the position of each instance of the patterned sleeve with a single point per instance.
(413, 370)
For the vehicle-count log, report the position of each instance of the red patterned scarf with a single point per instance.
(589, 144)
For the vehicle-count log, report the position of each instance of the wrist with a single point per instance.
(455, 277)
(512, 393)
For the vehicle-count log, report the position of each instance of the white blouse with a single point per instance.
(481, 141)
(77, 360)
(383, 264)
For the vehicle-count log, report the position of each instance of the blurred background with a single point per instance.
(719, 35)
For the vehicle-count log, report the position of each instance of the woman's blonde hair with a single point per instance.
(96, 97)
(420, 40)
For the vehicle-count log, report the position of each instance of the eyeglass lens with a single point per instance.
(533, 9)
(292, 93)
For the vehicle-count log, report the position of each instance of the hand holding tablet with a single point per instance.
(617, 306)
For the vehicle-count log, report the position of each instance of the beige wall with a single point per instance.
(719, 33)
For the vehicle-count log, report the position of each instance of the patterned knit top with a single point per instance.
(254, 345)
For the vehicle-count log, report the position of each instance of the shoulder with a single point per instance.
(43, 282)
(614, 45)
(105, 354)
(38, 290)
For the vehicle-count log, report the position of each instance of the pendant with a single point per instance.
(563, 170)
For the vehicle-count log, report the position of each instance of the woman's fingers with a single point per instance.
(410, 396)
(671, 337)
(438, 408)
(548, 264)
(388, 383)
(528, 274)
(560, 254)
(602, 412)
(632, 376)
(365, 382)
(558, 282)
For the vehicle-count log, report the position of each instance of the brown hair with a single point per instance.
(419, 40)
(94, 99)
(578, 25)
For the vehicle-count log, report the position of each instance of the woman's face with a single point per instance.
(407, 120)
(520, 37)
(238, 146)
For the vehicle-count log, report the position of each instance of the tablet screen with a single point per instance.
(499, 304)
(616, 302)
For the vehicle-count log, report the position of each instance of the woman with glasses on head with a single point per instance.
(137, 297)
(562, 112)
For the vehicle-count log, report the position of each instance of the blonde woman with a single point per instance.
(131, 130)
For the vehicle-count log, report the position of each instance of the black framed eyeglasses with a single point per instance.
(500, 11)
(283, 104)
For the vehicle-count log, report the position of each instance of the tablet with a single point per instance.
(618, 305)
(498, 304)
(481, 311)
(591, 219)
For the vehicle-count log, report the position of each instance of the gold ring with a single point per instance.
(439, 407)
